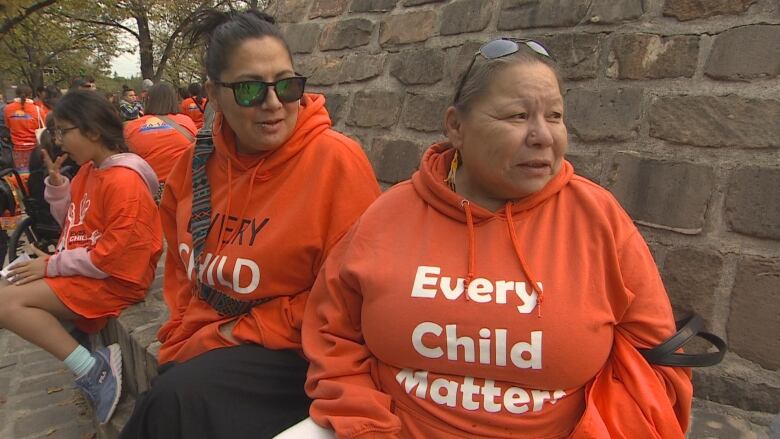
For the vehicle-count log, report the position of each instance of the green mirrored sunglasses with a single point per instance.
(253, 93)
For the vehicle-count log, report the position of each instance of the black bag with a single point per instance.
(687, 328)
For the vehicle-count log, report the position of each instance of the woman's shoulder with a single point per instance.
(589, 191)
(185, 121)
(335, 151)
(401, 198)
(335, 144)
(596, 203)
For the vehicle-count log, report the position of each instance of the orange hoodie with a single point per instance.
(190, 108)
(22, 121)
(277, 217)
(158, 142)
(424, 324)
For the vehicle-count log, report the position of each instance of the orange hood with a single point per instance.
(429, 182)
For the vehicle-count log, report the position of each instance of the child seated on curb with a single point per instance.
(107, 254)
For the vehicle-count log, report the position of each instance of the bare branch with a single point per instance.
(8, 24)
(101, 22)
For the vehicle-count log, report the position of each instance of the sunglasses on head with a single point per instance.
(253, 93)
(500, 48)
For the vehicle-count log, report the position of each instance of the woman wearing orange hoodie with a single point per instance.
(495, 294)
(249, 215)
(23, 117)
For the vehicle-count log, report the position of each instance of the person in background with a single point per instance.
(40, 93)
(129, 107)
(89, 84)
(183, 93)
(23, 118)
(82, 83)
(107, 254)
(38, 169)
(195, 105)
(76, 84)
(162, 135)
(146, 84)
(249, 215)
(496, 294)
(51, 94)
(3, 127)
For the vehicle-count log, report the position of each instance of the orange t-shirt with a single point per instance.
(190, 108)
(23, 121)
(110, 213)
(159, 143)
(401, 346)
(274, 217)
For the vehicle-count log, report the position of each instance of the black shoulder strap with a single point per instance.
(687, 328)
(197, 104)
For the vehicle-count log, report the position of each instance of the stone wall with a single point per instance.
(673, 105)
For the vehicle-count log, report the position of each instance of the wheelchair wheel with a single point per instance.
(15, 243)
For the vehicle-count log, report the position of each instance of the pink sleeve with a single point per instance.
(58, 198)
(75, 262)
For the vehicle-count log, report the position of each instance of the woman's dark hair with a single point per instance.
(196, 93)
(23, 92)
(47, 137)
(194, 89)
(224, 31)
(52, 95)
(92, 113)
(161, 100)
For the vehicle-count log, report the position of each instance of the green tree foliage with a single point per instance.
(156, 26)
(13, 12)
(53, 41)
(44, 48)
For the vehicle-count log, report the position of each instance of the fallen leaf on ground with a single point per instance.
(51, 390)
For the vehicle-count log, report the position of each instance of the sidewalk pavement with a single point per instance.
(38, 401)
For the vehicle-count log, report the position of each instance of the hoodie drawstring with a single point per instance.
(471, 245)
(515, 244)
(513, 235)
(264, 177)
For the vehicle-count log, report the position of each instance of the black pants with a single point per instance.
(246, 391)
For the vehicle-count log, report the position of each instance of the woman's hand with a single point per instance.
(226, 330)
(31, 270)
(55, 178)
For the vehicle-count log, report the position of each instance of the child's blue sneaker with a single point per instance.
(103, 383)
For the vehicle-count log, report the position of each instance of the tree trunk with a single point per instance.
(145, 45)
(36, 78)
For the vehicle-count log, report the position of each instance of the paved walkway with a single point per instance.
(38, 400)
(37, 397)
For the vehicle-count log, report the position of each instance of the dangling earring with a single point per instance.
(450, 180)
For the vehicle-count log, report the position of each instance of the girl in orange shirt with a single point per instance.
(109, 247)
